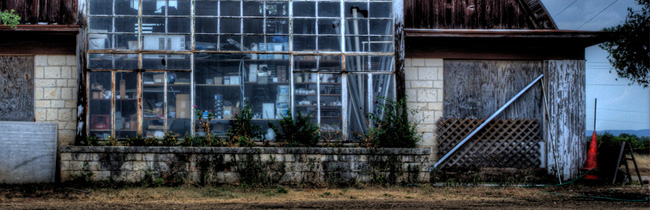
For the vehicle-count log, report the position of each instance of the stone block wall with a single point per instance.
(235, 165)
(424, 89)
(55, 86)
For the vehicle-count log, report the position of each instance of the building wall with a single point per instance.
(56, 93)
(424, 91)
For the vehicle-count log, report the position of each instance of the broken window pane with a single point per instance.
(356, 10)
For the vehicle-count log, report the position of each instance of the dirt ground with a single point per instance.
(413, 197)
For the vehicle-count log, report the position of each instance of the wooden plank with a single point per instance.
(478, 88)
(54, 9)
(475, 14)
(565, 88)
(43, 11)
(16, 88)
(68, 14)
(31, 14)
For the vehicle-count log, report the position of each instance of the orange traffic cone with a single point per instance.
(592, 157)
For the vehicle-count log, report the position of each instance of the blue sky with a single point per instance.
(620, 106)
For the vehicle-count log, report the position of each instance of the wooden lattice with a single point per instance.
(512, 143)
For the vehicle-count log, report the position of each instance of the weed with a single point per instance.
(392, 126)
(282, 190)
(326, 194)
(111, 141)
(137, 141)
(92, 140)
(298, 132)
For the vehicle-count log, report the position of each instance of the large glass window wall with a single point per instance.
(153, 64)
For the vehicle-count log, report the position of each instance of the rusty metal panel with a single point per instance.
(16, 88)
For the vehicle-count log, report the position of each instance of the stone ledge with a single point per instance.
(245, 150)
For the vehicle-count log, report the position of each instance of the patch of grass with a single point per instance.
(326, 194)
(282, 190)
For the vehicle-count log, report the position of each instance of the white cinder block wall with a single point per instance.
(424, 89)
(55, 81)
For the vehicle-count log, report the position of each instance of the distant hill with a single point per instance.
(644, 132)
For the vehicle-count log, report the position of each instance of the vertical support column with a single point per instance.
(400, 84)
(82, 39)
(565, 89)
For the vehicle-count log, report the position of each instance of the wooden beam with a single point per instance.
(400, 78)
(31, 43)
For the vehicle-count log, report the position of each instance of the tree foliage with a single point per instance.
(9, 18)
(629, 54)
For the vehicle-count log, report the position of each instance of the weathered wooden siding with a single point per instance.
(565, 134)
(49, 11)
(478, 88)
(476, 14)
(16, 88)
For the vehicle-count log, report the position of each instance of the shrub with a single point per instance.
(10, 18)
(392, 127)
(242, 130)
(170, 139)
(298, 132)
(137, 141)
(92, 140)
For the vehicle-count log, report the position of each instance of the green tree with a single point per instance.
(629, 54)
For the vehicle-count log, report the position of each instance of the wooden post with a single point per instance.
(565, 83)
(400, 80)
(81, 73)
